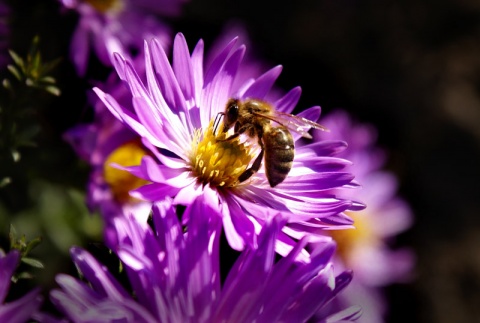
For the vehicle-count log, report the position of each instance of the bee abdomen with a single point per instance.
(279, 153)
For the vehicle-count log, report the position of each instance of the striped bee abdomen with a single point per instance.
(279, 152)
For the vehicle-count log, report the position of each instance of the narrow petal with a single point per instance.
(182, 66)
(21, 309)
(262, 85)
(216, 91)
(97, 275)
(167, 81)
(288, 102)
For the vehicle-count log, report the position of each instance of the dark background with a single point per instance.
(411, 68)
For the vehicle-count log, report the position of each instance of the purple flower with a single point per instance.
(108, 140)
(175, 276)
(174, 110)
(4, 34)
(366, 249)
(21, 309)
(110, 26)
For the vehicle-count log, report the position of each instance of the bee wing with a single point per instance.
(294, 123)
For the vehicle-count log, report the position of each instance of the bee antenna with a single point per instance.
(216, 123)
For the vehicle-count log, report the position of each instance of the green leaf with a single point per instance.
(15, 72)
(53, 90)
(32, 244)
(16, 155)
(6, 84)
(48, 79)
(32, 262)
(5, 181)
(17, 59)
(22, 275)
(12, 235)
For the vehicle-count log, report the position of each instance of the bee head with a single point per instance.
(231, 114)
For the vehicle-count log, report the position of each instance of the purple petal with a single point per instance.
(320, 148)
(127, 117)
(154, 192)
(262, 85)
(216, 91)
(22, 309)
(288, 102)
(79, 49)
(239, 301)
(8, 264)
(218, 62)
(182, 66)
(242, 224)
(101, 280)
(353, 313)
(166, 78)
(197, 66)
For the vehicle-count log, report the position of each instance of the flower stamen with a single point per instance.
(219, 163)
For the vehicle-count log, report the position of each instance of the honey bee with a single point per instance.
(253, 118)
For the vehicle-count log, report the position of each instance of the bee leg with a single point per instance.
(255, 166)
(237, 133)
(253, 169)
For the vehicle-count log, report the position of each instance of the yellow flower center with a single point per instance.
(219, 163)
(348, 240)
(120, 181)
(105, 5)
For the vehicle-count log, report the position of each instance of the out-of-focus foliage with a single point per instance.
(19, 106)
(24, 246)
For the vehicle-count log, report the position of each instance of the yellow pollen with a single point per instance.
(350, 239)
(219, 163)
(105, 5)
(121, 181)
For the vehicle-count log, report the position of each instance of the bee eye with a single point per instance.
(232, 113)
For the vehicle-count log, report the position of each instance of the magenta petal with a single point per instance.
(182, 66)
(243, 225)
(197, 66)
(241, 287)
(321, 148)
(79, 50)
(21, 309)
(312, 113)
(216, 91)
(167, 81)
(218, 62)
(288, 102)
(154, 192)
(97, 275)
(350, 314)
(8, 263)
(262, 85)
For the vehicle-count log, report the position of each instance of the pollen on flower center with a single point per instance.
(105, 5)
(219, 163)
(120, 181)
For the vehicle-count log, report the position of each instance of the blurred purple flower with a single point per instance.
(175, 276)
(21, 309)
(110, 26)
(174, 112)
(4, 34)
(366, 249)
(104, 141)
